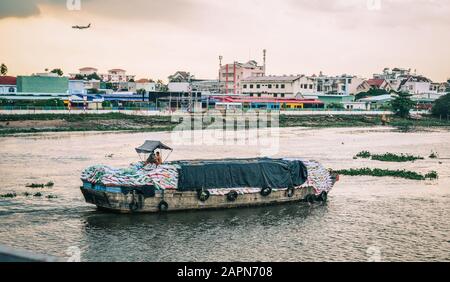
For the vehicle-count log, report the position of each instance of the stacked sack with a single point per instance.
(162, 177)
(318, 177)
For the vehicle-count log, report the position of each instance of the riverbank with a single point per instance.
(40, 123)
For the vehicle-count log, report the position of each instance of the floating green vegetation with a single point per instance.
(26, 194)
(364, 155)
(9, 195)
(434, 155)
(38, 194)
(389, 157)
(34, 185)
(51, 197)
(388, 173)
(432, 175)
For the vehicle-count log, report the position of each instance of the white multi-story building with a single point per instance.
(415, 85)
(117, 76)
(87, 71)
(338, 85)
(145, 84)
(272, 86)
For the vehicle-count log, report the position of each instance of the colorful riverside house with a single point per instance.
(332, 99)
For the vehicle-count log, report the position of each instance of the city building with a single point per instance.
(87, 71)
(207, 86)
(77, 87)
(330, 99)
(236, 102)
(117, 79)
(415, 85)
(8, 84)
(146, 84)
(231, 75)
(377, 102)
(273, 86)
(42, 84)
(380, 84)
(181, 76)
(338, 85)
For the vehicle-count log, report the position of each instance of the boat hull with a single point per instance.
(172, 200)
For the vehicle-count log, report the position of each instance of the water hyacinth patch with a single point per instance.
(388, 173)
(9, 195)
(388, 157)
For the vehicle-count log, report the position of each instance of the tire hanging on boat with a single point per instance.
(163, 206)
(203, 195)
(290, 192)
(134, 205)
(266, 192)
(323, 197)
(232, 196)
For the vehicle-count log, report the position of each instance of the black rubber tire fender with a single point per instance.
(134, 205)
(290, 192)
(203, 195)
(266, 191)
(232, 196)
(163, 206)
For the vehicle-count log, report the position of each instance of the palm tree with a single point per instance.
(3, 69)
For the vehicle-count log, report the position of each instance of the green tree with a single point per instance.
(3, 69)
(402, 104)
(59, 72)
(94, 76)
(160, 86)
(441, 107)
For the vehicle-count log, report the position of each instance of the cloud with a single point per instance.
(154, 10)
(386, 13)
(18, 8)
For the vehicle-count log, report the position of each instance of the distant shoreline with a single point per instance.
(118, 122)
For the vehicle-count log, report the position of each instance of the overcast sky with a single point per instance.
(154, 38)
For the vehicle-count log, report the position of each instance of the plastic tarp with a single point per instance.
(150, 146)
(238, 173)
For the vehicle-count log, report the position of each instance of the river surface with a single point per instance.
(366, 218)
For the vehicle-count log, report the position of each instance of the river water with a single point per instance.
(381, 219)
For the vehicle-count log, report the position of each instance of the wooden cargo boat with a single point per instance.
(205, 184)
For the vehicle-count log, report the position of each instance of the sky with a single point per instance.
(155, 38)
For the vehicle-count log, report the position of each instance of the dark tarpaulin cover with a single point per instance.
(235, 173)
(150, 146)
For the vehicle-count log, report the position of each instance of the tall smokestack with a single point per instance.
(264, 60)
(220, 67)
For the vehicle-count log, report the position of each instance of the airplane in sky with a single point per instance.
(81, 27)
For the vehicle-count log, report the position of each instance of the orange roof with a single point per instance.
(142, 80)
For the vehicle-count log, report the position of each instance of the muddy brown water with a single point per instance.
(366, 218)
